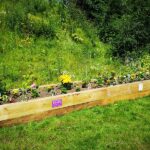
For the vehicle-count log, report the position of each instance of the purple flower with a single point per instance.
(33, 86)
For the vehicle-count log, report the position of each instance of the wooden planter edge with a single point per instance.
(38, 109)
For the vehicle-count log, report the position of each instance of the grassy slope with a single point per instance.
(124, 125)
(44, 58)
(25, 57)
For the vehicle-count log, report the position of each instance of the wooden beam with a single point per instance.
(38, 109)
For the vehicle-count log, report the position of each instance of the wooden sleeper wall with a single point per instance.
(38, 109)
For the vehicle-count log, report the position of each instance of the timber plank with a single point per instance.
(38, 109)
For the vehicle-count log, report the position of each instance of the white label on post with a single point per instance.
(141, 87)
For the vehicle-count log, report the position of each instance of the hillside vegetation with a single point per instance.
(40, 39)
(122, 23)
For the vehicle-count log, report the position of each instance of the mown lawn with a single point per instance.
(124, 126)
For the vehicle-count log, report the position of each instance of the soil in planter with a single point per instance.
(52, 91)
(43, 92)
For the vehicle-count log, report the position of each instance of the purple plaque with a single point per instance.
(57, 103)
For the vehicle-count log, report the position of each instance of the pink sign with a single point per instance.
(56, 103)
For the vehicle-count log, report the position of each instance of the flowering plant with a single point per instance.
(66, 81)
(33, 86)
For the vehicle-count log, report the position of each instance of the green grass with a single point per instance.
(28, 54)
(124, 125)
(42, 58)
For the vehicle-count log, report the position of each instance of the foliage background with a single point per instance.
(40, 39)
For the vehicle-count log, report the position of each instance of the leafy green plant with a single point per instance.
(34, 93)
(100, 81)
(78, 89)
(112, 74)
(133, 77)
(85, 83)
(5, 98)
(15, 92)
(68, 86)
(63, 90)
(50, 88)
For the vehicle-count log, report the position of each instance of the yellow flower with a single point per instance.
(65, 78)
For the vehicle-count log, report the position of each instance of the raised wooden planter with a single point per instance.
(38, 109)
